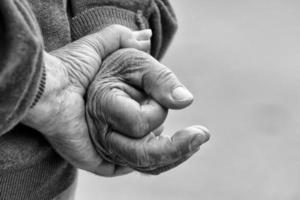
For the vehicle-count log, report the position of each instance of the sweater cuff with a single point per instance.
(95, 19)
(41, 87)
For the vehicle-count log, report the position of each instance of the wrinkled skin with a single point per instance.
(127, 96)
(66, 114)
(60, 113)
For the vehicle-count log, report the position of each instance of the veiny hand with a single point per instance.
(126, 106)
(60, 113)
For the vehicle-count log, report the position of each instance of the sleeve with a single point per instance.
(21, 72)
(92, 15)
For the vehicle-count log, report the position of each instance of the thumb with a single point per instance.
(155, 154)
(163, 85)
(147, 74)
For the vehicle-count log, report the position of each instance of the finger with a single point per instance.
(130, 117)
(110, 170)
(141, 45)
(119, 171)
(145, 34)
(155, 79)
(160, 151)
(157, 169)
(180, 145)
(140, 40)
(162, 84)
(114, 37)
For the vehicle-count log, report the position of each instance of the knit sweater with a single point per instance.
(29, 168)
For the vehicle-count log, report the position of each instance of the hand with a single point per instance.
(126, 106)
(60, 113)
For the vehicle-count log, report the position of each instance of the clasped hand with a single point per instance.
(126, 105)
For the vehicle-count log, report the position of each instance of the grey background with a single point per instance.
(241, 60)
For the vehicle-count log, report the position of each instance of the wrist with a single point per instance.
(41, 88)
(50, 97)
(56, 77)
(46, 87)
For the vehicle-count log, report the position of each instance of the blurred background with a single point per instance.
(241, 60)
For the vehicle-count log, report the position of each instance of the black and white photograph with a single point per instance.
(149, 100)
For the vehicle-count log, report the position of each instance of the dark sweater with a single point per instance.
(29, 167)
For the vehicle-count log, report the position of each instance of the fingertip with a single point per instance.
(198, 140)
(144, 34)
(182, 94)
(203, 128)
(181, 97)
(201, 137)
(190, 139)
(147, 33)
(205, 132)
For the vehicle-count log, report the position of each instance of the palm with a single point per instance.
(64, 122)
(60, 113)
(72, 140)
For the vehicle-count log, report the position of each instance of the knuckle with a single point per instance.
(162, 78)
(165, 75)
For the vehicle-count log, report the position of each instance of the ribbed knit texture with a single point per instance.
(20, 62)
(157, 15)
(95, 19)
(49, 171)
(41, 88)
(29, 168)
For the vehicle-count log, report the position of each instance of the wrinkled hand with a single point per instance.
(126, 106)
(60, 113)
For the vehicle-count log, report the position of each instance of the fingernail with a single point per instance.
(203, 129)
(206, 137)
(181, 94)
(197, 141)
(200, 138)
